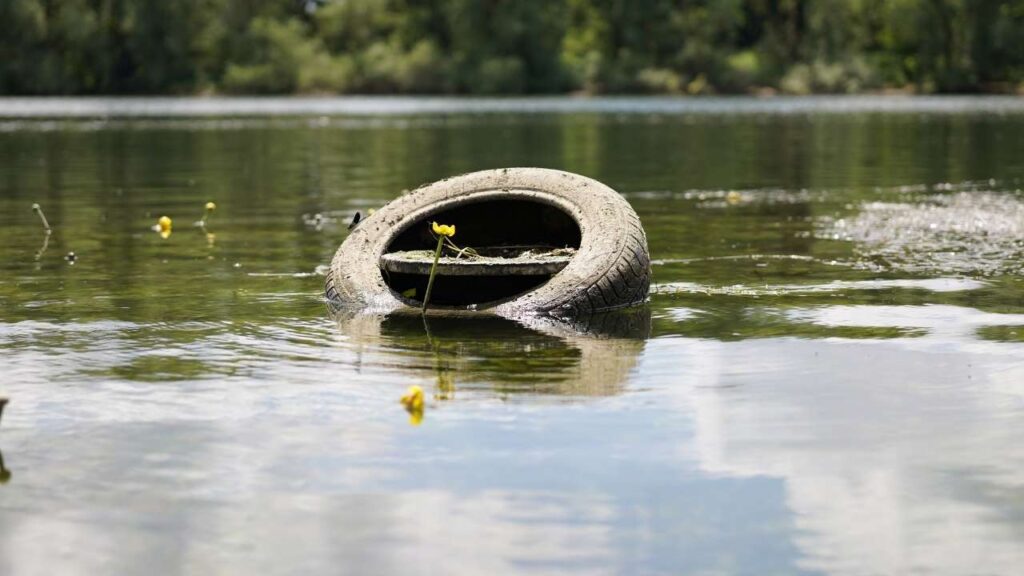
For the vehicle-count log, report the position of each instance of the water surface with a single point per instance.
(828, 379)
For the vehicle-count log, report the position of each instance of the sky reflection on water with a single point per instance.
(787, 403)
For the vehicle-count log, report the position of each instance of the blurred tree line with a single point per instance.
(508, 46)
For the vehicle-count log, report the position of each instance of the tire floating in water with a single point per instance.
(546, 241)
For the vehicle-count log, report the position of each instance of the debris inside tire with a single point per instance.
(488, 261)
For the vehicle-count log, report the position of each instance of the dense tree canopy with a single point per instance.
(508, 46)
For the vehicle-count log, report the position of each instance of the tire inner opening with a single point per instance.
(488, 226)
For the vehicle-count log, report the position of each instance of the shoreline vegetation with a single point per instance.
(506, 47)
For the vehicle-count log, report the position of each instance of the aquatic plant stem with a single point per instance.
(430, 337)
(38, 210)
(46, 239)
(210, 207)
(433, 271)
(460, 251)
(46, 244)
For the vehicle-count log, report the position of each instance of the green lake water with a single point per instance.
(828, 378)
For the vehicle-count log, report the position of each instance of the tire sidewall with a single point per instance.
(602, 215)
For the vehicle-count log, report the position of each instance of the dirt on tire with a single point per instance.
(611, 268)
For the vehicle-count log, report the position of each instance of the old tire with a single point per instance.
(611, 268)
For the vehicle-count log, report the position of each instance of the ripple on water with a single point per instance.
(927, 284)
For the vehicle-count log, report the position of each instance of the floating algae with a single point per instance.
(977, 233)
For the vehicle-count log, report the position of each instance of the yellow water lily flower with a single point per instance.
(443, 229)
(210, 207)
(163, 226)
(413, 402)
(413, 399)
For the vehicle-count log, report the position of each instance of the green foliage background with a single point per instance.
(509, 46)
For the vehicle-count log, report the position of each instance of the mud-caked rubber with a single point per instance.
(611, 268)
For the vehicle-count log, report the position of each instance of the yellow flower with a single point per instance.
(163, 226)
(443, 229)
(413, 399)
(413, 402)
(211, 206)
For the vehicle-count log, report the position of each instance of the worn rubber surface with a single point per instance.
(611, 268)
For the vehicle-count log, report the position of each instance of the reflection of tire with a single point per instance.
(589, 356)
(626, 324)
(611, 267)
